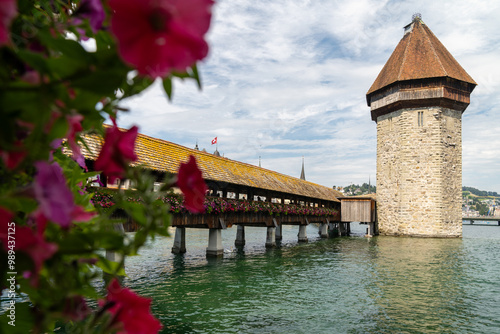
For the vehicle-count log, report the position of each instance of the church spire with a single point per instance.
(302, 173)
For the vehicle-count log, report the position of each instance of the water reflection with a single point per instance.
(417, 284)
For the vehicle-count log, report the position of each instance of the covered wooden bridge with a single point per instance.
(228, 178)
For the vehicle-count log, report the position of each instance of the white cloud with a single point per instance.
(286, 79)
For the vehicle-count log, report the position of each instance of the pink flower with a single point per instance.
(27, 241)
(190, 181)
(8, 11)
(54, 197)
(75, 126)
(158, 36)
(117, 152)
(80, 215)
(131, 310)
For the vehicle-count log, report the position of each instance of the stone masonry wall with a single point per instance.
(419, 172)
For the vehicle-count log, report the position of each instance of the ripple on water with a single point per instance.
(342, 285)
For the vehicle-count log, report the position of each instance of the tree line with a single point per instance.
(356, 189)
(478, 192)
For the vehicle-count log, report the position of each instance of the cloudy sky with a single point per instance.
(287, 79)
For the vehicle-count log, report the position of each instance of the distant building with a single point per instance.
(417, 102)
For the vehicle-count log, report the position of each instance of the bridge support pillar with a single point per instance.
(342, 230)
(113, 256)
(271, 237)
(240, 236)
(332, 229)
(370, 230)
(279, 230)
(323, 230)
(302, 233)
(179, 241)
(214, 248)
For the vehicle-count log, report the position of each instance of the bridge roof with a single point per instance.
(164, 156)
(419, 55)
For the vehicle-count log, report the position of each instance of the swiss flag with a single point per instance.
(214, 141)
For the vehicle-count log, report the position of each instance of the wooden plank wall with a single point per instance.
(357, 211)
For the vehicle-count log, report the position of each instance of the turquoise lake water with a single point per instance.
(341, 285)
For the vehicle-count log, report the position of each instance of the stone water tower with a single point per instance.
(417, 101)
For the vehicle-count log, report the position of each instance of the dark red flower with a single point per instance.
(8, 11)
(192, 185)
(158, 36)
(5, 218)
(131, 310)
(27, 241)
(13, 158)
(117, 152)
(75, 308)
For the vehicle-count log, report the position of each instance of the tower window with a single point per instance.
(390, 123)
(420, 118)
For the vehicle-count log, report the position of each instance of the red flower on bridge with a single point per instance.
(192, 185)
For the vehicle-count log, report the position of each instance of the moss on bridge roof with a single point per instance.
(165, 156)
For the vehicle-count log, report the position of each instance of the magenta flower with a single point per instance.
(54, 197)
(192, 185)
(75, 126)
(131, 311)
(158, 36)
(52, 193)
(117, 152)
(91, 10)
(8, 11)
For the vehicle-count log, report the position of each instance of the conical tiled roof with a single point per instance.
(419, 55)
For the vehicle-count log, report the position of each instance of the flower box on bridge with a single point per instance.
(224, 220)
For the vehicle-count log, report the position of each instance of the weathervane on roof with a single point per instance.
(416, 16)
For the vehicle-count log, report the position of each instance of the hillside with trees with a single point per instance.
(356, 189)
(481, 193)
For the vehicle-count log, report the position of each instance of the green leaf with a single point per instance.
(140, 238)
(74, 244)
(103, 81)
(20, 99)
(195, 75)
(135, 86)
(21, 322)
(59, 128)
(23, 204)
(167, 86)
(35, 60)
(108, 239)
(111, 267)
(67, 47)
